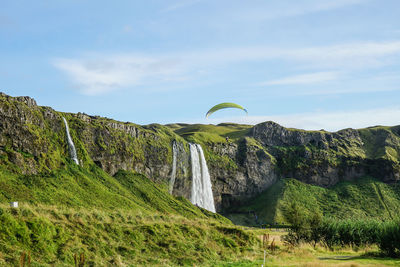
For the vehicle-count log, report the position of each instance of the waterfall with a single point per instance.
(202, 194)
(173, 174)
(72, 151)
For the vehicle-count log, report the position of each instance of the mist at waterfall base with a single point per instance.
(71, 146)
(202, 194)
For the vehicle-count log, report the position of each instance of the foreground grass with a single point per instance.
(119, 220)
(308, 256)
(54, 235)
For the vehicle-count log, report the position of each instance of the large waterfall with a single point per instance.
(173, 174)
(202, 194)
(72, 150)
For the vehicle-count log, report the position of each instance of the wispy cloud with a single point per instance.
(289, 8)
(330, 121)
(309, 78)
(100, 75)
(352, 55)
(105, 73)
(179, 5)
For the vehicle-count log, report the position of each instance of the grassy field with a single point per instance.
(308, 256)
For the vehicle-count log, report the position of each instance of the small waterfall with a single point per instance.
(173, 174)
(72, 151)
(202, 194)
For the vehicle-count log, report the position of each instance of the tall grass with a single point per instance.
(340, 233)
(59, 235)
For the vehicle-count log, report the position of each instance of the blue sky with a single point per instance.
(308, 64)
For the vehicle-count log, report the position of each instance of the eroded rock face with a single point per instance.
(183, 181)
(325, 158)
(32, 138)
(253, 173)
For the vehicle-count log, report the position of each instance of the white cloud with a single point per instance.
(330, 121)
(353, 55)
(339, 83)
(309, 78)
(105, 74)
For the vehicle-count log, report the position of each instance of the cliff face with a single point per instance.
(34, 139)
(251, 159)
(324, 158)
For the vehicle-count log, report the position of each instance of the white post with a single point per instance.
(264, 258)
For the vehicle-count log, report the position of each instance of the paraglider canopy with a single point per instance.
(223, 106)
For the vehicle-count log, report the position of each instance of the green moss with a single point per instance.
(253, 142)
(391, 154)
(218, 161)
(381, 142)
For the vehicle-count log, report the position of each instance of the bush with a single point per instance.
(389, 241)
(303, 226)
(356, 233)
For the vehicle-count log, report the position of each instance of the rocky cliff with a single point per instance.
(243, 160)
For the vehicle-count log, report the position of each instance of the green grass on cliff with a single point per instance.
(125, 219)
(381, 142)
(364, 198)
(77, 187)
(209, 133)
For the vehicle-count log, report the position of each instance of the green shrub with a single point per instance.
(333, 233)
(389, 241)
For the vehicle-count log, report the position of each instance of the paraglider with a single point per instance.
(223, 106)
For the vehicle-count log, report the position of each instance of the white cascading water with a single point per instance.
(202, 194)
(173, 174)
(72, 150)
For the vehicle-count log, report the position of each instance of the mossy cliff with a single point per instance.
(33, 138)
(243, 160)
(324, 158)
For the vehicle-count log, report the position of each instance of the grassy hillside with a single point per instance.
(208, 133)
(125, 219)
(364, 198)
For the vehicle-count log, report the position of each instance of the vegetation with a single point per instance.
(365, 198)
(333, 233)
(125, 219)
(81, 215)
(212, 134)
(54, 235)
